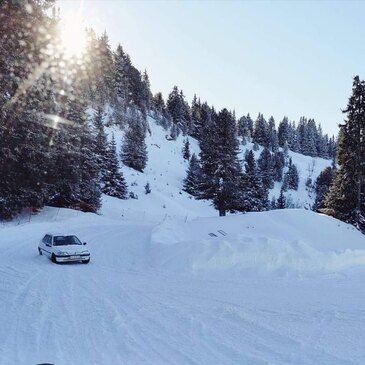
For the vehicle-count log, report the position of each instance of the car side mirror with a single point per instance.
(84, 243)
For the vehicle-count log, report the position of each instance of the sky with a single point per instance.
(279, 58)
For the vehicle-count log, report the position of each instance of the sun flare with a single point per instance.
(73, 37)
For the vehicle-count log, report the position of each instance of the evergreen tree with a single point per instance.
(196, 118)
(261, 131)
(283, 132)
(346, 198)
(146, 89)
(114, 182)
(74, 184)
(186, 149)
(179, 110)
(293, 140)
(254, 194)
(322, 186)
(292, 177)
(159, 103)
(281, 202)
(245, 127)
(147, 188)
(278, 163)
(192, 179)
(265, 165)
(221, 173)
(24, 136)
(134, 150)
(101, 143)
(89, 185)
(273, 136)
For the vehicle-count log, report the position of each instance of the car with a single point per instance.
(63, 248)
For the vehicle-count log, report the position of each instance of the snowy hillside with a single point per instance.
(282, 287)
(166, 170)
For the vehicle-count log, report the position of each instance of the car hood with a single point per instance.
(72, 249)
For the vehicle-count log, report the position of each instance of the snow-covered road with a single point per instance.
(127, 308)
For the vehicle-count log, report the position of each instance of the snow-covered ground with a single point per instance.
(169, 282)
(280, 287)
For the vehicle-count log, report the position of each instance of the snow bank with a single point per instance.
(294, 240)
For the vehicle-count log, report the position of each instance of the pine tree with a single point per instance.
(322, 186)
(254, 194)
(147, 189)
(114, 182)
(134, 150)
(261, 131)
(229, 174)
(346, 198)
(193, 176)
(245, 127)
(221, 172)
(283, 132)
(89, 185)
(273, 136)
(281, 202)
(265, 165)
(186, 149)
(24, 137)
(179, 110)
(147, 95)
(278, 163)
(100, 140)
(196, 118)
(291, 177)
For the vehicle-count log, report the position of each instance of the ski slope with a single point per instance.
(170, 293)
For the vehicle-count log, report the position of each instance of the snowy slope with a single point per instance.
(166, 170)
(169, 293)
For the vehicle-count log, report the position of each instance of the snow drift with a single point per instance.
(297, 240)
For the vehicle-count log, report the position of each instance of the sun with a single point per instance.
(73, 37)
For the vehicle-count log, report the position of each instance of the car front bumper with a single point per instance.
(72, 258)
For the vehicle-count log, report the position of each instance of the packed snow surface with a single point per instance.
(279, 287)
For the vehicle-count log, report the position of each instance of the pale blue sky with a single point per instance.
(279, 58)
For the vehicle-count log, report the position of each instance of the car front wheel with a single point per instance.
(53, 258)
(40, 251)
(85, 261)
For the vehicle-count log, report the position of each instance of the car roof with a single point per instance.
(61, 234)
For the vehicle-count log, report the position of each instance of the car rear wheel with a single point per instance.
(40, 251)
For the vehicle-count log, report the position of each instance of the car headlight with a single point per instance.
(61, 253)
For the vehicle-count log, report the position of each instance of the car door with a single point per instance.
(48, 245)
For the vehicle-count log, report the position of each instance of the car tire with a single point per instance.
(53, 258)
(40, 251)
(85, 261)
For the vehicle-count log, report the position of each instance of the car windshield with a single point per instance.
(66, 240)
